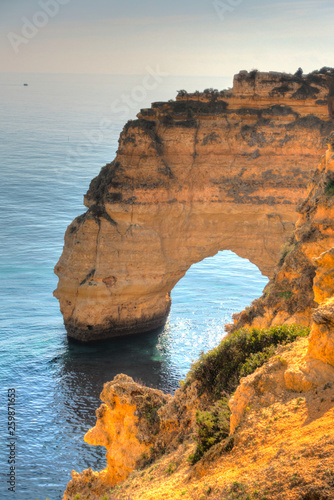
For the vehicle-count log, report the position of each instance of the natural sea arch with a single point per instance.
(116, 277)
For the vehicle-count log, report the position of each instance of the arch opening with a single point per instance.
(203, 302)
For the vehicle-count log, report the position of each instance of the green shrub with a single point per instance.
(288, 247)
(329, 188)
(219, 371)
(171, 468)
(212, 426)
(256, 360)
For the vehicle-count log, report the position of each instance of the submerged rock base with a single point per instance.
(92, 334)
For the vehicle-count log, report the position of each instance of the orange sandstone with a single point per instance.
(126, 426)
(304, 273)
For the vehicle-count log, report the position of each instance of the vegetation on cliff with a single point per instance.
(283, 446)
(218, 374)
(221, 369)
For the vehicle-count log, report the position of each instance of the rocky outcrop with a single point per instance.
(322, 334)
(291, 369)
(127, 426)
(137, 425)
(210, 171)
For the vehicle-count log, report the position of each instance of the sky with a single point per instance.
(180, 37)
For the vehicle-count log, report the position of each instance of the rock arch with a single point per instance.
(205, 173)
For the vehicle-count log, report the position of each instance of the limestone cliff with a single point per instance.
(293, 292)
(210, 171)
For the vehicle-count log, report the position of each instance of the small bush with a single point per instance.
(329, 188)
(182, 93)
(287, 248)
(212, 426)
(253, 73)
(220, 369)
(256, 360)
(171, 468)
(324, 71)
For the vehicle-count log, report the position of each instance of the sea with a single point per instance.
(56, 133)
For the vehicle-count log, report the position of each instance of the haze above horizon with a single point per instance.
(198, 37)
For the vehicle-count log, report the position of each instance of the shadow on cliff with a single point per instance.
(319, 402)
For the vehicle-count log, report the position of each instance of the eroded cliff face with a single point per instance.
(127, 425)
(303, 277)
(210, 171)
(301, 291)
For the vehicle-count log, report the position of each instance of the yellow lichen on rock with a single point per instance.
(323, 285)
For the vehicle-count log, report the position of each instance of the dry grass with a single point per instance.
(282, 450)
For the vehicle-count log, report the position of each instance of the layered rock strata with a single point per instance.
(304, 276)
(208, 172)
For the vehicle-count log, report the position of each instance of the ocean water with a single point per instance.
(55, 135)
